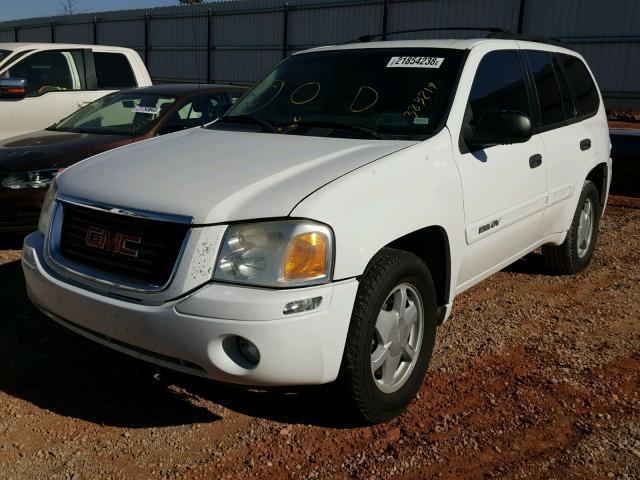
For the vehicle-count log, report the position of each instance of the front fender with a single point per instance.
(388, 199)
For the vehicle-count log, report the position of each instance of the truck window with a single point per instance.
(50, 71)
(499, 85)
(113, 71)
(547, 87)
(584, 90)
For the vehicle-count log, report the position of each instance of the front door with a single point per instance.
(504, 186)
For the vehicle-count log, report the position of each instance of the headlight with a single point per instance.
(276, 254)
(32, 179)
(47, 208)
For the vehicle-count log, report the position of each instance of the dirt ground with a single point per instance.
(534, 376)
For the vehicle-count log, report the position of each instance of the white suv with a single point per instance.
(42, 83)
(321, 229)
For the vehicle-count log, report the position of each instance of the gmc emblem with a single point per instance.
(112, 242)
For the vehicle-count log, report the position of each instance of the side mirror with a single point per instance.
(498, 127)
(165, 129)
(13, 88)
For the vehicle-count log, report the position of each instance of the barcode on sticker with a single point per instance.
(147, 110)
(415, 62)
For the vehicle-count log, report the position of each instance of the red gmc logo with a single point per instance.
(111, 242)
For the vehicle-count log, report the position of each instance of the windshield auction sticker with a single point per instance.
(147, 110)
(415, 62)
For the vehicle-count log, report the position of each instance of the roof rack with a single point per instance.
(492, 32)
(504, 35)
(368, 38)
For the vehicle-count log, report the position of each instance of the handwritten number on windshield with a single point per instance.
(420, 100)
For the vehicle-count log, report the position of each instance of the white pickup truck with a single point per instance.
(42, 83)
(321, 229)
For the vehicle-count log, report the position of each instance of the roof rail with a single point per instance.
(368, 38)
(503, 35)
(492, 32)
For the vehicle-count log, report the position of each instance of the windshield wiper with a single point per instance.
(247, 118)
(337, 125)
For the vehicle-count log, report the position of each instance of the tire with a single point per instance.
(377, 396)
(575, 254)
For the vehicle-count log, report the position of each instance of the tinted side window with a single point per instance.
(499, 85)
(51, 71)
(580, 82)
(547, 87)
(567, 102)
(113, 71)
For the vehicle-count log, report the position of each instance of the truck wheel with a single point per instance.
(575, 253)
(391, 336)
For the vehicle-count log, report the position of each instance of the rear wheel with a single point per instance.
(574, 255)
(390, 337)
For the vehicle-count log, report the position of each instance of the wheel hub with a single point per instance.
(585, 227)
(397, 338)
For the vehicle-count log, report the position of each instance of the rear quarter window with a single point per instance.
(113, 71)
(584, 91)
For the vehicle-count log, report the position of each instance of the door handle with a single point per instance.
(585, 144)
(535, 160)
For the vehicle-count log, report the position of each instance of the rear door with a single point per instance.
(504, 186)
(567, 99)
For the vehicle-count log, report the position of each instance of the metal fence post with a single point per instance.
(385, 18)
(95, 31)
(15, 33)
(146, 40)
(521, 16)
(209, 24)
(53, 32)
(285, 29)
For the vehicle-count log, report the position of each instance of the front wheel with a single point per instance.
(391, 336)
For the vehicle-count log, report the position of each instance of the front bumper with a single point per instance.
(188, 334)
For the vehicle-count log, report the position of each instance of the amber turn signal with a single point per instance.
(306, 257)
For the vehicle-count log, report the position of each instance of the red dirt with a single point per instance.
(534, 376)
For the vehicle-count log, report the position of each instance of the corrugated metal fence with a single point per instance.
(236, 41)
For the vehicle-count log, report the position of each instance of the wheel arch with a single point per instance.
(599, 175)
(431, 244)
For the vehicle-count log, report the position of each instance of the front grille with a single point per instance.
(131, 248)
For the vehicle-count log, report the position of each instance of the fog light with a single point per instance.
(303, 305)
(248, 350)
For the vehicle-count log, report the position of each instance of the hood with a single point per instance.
(219, 176)
(50, 149)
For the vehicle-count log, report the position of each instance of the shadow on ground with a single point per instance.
(531, 264)
(57, 370)
(11, 241)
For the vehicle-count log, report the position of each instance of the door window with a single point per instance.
(51, 71)
(581, 83)
(568, 106)
(547, 87)
(499, 85)
(113, 71)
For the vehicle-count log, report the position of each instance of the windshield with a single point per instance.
(117, 114)
(381, 93)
